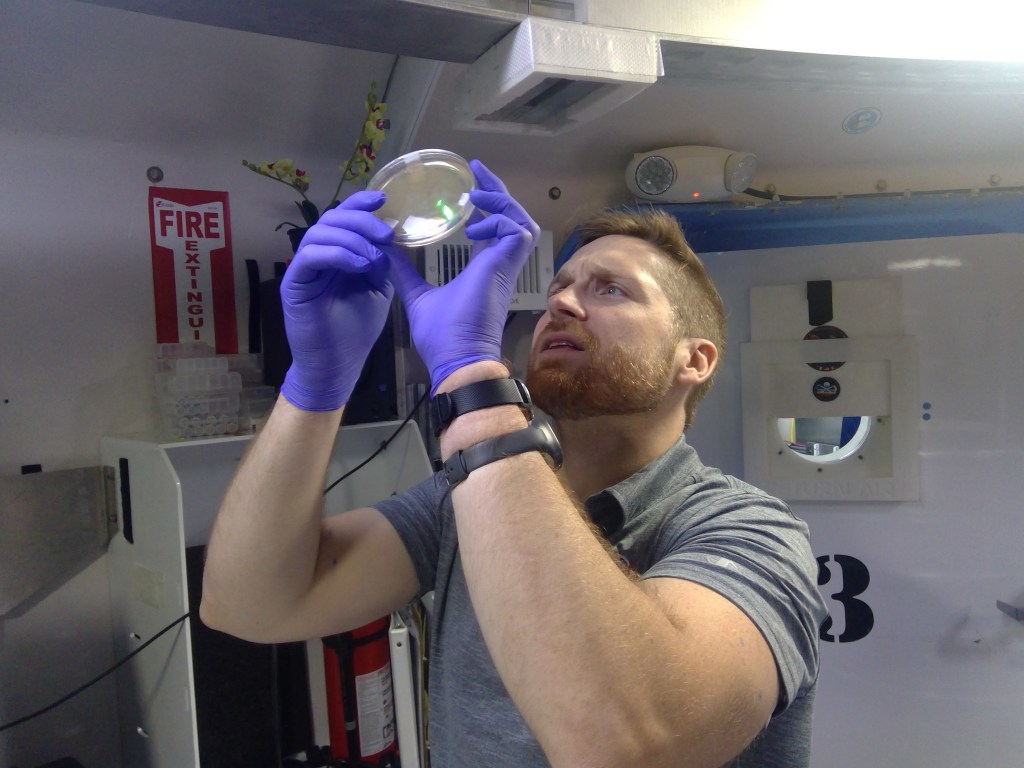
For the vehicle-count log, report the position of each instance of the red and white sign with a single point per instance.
(193, 278)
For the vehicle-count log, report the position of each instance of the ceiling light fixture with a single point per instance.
(690, 174)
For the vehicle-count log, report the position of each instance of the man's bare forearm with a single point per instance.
(263, 549)
(603, 670)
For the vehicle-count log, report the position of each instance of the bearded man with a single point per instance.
(601, 598)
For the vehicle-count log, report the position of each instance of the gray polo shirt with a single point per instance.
(674, 518)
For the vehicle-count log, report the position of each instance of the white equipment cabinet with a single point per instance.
(167, 497)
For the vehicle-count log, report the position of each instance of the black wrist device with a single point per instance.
(472, 397)
(536, 437)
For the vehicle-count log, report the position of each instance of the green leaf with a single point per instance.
(310, 214)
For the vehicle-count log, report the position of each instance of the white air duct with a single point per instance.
(547, 77)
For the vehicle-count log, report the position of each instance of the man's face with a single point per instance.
(607, 343)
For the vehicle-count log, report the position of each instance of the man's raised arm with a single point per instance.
(275, 569)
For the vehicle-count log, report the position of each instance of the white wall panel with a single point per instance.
(93, 97)
(937, 681)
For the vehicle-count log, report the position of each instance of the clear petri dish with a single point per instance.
(427, 195)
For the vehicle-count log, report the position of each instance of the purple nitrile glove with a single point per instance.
(335, 295)
(462, 322)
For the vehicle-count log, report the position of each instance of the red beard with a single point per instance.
(613, 381)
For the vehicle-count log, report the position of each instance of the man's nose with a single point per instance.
(566, 303)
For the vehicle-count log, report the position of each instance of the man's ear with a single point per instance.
(696, 360)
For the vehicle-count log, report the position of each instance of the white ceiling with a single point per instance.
(923, 141)
(937, 134)
(787, 107)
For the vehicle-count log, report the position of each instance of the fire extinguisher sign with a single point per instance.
(193, 278)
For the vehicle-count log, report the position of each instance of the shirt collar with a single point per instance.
(611, 508)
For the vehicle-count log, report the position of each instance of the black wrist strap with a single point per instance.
(536, 437)
(445, 407)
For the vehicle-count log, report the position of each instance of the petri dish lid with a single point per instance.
(427, 195)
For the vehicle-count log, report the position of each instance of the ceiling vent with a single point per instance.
(547, 77)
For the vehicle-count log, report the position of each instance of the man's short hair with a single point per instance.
(698, 306)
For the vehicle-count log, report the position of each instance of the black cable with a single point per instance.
(439, 610)
(275, 704)
(382, 446)
(96, 679)
(391, 76)
(766, 195)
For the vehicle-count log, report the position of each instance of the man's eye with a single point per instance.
(613, 290)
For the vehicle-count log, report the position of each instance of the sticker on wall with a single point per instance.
(849, 612)
(826, 389)
(825, 332)
(193, 278)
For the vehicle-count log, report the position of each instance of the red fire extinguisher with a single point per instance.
(360, 698)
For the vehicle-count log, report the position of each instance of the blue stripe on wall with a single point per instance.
(716, 227)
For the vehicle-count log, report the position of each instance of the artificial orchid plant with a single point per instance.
(359, 167)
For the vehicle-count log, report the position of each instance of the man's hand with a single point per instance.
(335, 295)
(462, 322)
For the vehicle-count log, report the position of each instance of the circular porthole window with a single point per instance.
(825, 439)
